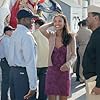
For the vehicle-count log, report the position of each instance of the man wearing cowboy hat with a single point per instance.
(91, 58)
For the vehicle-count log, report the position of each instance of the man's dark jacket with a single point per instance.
(91, 58)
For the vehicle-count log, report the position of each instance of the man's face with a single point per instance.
(28, 22)
(90, 20)
(37, 26)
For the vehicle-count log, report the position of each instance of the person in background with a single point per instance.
(62, 54)
(4, 46)
(42, 61)
(16, 5)
(91, 58)
(83, 36)
(22, 59)
(77, 64)
(4, 12)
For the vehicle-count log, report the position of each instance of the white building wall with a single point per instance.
(76, 16)
(84, 9)
(75, 13)
(95, 2)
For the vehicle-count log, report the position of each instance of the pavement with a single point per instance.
(78, 90)
(0, 81)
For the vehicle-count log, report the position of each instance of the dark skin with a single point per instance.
(28, 23)
(29, 94)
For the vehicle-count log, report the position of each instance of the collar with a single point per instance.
(22, 27)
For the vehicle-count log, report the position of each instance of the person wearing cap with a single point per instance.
(42, 61)
(22, 59)
(91, 58)
(4, 46)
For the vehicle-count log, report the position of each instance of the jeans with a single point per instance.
(5, 79)
(41, 73)
(19, 83)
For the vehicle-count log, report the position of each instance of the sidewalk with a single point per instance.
(78, 90)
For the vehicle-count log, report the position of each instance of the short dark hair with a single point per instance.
(83, 23)
(79, 23)
(40, 21)
(8, 28)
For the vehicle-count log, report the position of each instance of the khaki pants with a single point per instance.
(90, 84)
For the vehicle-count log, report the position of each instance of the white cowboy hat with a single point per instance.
(93, 8)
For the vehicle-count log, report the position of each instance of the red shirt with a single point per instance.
(14, 10)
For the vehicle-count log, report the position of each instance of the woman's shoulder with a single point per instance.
(73, 41)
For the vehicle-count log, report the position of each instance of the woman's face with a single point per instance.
(58, 23)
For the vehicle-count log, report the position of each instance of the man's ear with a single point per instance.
(23, 20)
(96, 17)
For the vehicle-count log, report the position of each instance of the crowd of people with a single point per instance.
(33, 49)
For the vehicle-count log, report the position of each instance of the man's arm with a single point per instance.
(97, 60)
(96, 89)
(29, 55)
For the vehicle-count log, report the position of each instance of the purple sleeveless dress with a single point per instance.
(58, 82)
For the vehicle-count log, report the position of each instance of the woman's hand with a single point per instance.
(64, 68)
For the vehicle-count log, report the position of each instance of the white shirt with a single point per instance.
(1, 50)
(42, 49)
(22, 52)
(5, 42)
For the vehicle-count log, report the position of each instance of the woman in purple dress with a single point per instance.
(61, 56)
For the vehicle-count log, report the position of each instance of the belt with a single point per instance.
(18, 67)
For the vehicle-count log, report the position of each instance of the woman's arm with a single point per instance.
(43, 29)
(71, 55)
(72, 48)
